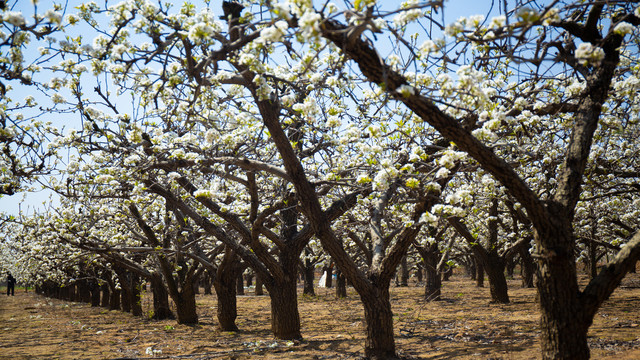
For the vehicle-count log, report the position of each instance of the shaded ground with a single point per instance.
(463, 326)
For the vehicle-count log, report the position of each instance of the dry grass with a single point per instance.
(462, 326)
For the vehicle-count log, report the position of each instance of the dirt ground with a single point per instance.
(462, 326)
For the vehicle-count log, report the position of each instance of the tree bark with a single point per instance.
(104, 302)
(479, 273)
(528, 267)
(433, 282)
(497, 280)
(285, 319)
(404, 272)
(329, 272)
(135, 295)
(226, 311)
(259, 291)
(239, 284)
(114, 299)
(95, 293)
(185, 301)
(309, 278)
(380, 343)
(341, 285)
(225, 284)
(161, 308)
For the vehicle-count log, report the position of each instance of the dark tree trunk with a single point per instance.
(309, 278)
(94, 288)
(227, 309)
(497, 281)
(186, 305)
(161, 308)
(470, 267)
(433, 283)
(114, 299)
(125, 294)
(106, 296)
(135, 296)
(285, 319)
(259, 286)
(83, 291)
(510, 267)
(239, 284)
(404, 272)
(528, 267)
(207, 283)
(479, 273)
(341, 285)
(379, 343)
(329, 280)
(419, 273)
(225, 284)
(447, 273)
(563, 325)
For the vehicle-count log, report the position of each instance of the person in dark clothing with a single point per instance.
(11, 283)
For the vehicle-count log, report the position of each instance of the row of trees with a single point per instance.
(210, 141)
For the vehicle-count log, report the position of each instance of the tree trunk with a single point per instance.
(433, 283)
(404, 272)
(528, 267)
(105, 295)
(479, 273)
(497, 281)
(563, 326)
(259, 288)
(83, 291)
(285, 319)
(94, 288)
(341, 285)
(329, 271)
(447, 273)
(225, 283)
(379, 343)
(125, 294)
(114, 299)
(161, 308)
(186, 305)
(309, 278)
(135, 296)
(239, 284)
(227, 312)
(207, 283)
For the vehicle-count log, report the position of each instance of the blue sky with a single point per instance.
(30, 202)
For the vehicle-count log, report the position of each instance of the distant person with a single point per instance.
(11, 284)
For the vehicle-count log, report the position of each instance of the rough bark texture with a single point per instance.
(225, 284)
(433, 281)
(285, 318)
(185, 301)
(341, 285)
(497, 280)
(95, 293)
(379, 343)
(114, 299)
(106, 296)
(161, 308)
(226, 311)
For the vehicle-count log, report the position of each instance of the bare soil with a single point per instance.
(461, 326)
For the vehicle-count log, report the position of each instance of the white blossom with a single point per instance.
(624, 28)
(14, 18)
(586, 53)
